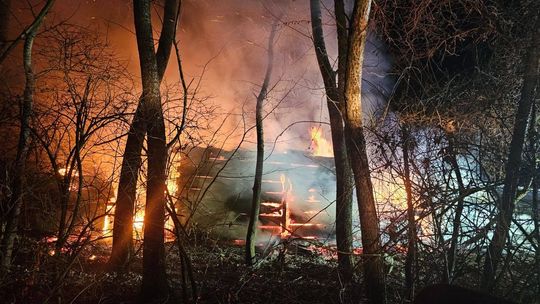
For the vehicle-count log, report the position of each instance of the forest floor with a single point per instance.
(298, 276)
(301, 275)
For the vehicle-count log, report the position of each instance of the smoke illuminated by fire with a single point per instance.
(319, 145)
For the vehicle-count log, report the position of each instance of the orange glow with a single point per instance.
(319, 144)
(271, 204)
(286, 198)
(138, 223)
(239, 242)
(107, 219)
(269, 227)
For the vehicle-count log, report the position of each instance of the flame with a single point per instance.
(64, 171)
(319, 144)
(107, 219)
(138, 222)
(286, 198)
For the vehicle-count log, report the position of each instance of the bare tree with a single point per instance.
(410, 260)
(356, 147)
(132, 159)
(251, 236)
(154, 285)
(16, 199)
(507, 203)
(335, 105)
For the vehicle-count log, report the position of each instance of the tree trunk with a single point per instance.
(506, 207)
(410, 260)
(132, 160)
(16, 199)
(257, 183)
(356, 146)
(344, 183)
(456, 223)
(154, 285)
(533, 137)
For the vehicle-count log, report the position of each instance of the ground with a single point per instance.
(219, 270)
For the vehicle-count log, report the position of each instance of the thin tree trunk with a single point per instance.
(535, 204)
(356, 146)
(344, 183)
(16, 198)
(132, 159)
(257, 183)
(410, 260)
(456, 223)
(506, 209)
(154, 285)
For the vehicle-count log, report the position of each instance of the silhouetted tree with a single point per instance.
(507, 203)
(132, 159)
(257, 183)
(17, 191)
(356, 147)
(333, 87)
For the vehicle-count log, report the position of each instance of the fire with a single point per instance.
(286, 198)
(138, 221)
(319, 144)
(281, 212)
(172, 179)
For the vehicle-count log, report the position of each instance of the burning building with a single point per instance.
(215, 188)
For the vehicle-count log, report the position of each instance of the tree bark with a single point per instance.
(356, 146)
(154, 285)
(16, 199)
(132, 160)
(257, 183)
(506, 207)
(410, 259)
(344, 183)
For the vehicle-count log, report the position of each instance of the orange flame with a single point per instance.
(319, 144)
(286, 198)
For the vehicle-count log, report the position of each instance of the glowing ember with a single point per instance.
(239, 242)
(319, 145)
(92, 257)
(270, 204)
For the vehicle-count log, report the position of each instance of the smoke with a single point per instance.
(223, 45)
